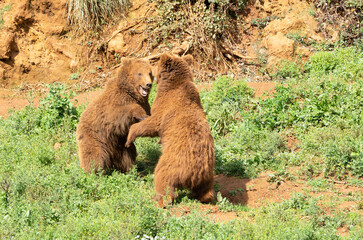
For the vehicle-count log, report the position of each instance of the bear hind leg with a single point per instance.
(206, 197)
(125, 158)
(164, 190)
(93, 159)
(204, 193)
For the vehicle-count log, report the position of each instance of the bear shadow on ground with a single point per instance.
(235, 189)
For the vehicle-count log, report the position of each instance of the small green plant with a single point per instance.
(55, 110)
(74, 76)
(261, 23)
(224, 102)
(117, 57)
(297, 37)
(233, 193)
(287, 69)
(2, 11)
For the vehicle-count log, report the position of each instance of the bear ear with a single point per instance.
(125, 61)
(164, 57)
(189, 59)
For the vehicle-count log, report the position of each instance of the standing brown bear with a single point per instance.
(177, 117)
(104, 125)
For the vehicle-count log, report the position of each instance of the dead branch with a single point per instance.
(129, 27)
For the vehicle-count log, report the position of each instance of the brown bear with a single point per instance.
(177, 117)
(104, 125)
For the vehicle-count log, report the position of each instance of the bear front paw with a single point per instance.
(130, 140)
(140, 118)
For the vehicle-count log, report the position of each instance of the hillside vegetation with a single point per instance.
(44, 193)
(289, 164)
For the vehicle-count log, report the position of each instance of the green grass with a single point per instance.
(44, 194)
(2, 11)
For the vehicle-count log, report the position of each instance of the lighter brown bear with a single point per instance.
(177, 117)
(104, 125)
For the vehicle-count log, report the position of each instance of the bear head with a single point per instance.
(135, 75)
(173, 69)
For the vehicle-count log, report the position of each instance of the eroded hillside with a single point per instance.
(37, 47)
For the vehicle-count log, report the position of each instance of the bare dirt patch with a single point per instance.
(18, 99)
(262, 89)
(13, 100)
(254, 193)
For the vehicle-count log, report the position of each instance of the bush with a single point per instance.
(320, 97)
(341, 150)
(248, 150)
(55, 110)
(287, 69)
(224, 102)
(346, 63)
(207, 24)
(92, 14)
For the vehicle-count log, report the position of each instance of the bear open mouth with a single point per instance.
(144, 91)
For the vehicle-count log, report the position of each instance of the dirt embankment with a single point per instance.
(32, 49)
(36, 47)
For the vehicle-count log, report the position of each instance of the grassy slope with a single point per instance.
(44, 194)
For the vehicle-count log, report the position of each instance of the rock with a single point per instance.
(57, 145)
(177, 51)
(2, 73)
(60, 47)
(74, 65)
(6, 45)
(303, 51)
(279, 45)
(117, 45)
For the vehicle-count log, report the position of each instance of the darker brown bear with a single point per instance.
(177, 117)
(104, 125)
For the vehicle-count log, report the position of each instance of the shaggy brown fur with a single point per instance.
(104, 125)
(177, 117)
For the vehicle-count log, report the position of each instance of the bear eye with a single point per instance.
(139, 74)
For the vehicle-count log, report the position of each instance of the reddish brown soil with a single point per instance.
(258, 192)
(262, 88)
(10, 99)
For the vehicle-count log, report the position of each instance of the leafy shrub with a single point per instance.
(248, 150)
(55, 110)
(341, 150)
(345, 62)
(223, 103)
(312, 102)
(287, 69)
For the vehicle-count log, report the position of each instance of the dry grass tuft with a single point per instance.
(86, 15)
